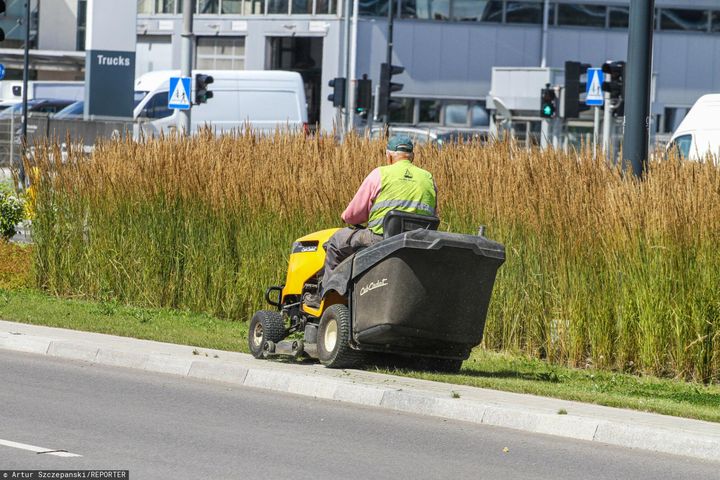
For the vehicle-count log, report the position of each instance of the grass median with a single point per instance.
(499, 371)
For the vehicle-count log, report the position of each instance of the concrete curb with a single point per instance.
(529, 413)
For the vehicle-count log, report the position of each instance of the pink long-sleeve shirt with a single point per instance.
(358, 210)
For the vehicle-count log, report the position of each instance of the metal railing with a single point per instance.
(42, 126)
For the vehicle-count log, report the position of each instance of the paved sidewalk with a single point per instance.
(627, 428)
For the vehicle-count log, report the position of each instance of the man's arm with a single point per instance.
(358, 210)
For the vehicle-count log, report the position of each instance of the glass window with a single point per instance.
(302, 7)
(581, 15)
(145, 6)
(524, 12)
(137, 98)
(220, 53)
(253, 7)
(208, 6)
(619, 17)
(681, 19)
(715, 22)
(278, 6)
(430, 111)
(427, 9)
(469, 10)
(232, 6)
(456, 114)
(157, 106)
(164, 6)
(682, 145)
(403, 114)
(480, 116)
(493, 12)
(375, 8)
(323, 7)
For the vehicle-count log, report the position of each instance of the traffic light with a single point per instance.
(202, 94)
(337, 97)
(363, 96)
(574, 88)
(387, 87)
(616, 85)
(548, 102)
(2, 12)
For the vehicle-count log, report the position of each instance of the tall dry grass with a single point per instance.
(600, 270)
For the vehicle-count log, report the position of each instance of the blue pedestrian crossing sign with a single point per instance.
(179, 93)
(593, 89)
(2, 71)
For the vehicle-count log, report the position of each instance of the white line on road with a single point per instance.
(32, 448)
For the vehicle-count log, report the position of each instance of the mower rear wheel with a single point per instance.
(265, 326)
(333, 339)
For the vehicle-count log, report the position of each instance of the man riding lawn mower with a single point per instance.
(396, 287)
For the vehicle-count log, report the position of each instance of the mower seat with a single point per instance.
(397, 222)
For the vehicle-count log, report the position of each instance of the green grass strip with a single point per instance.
(499, 371)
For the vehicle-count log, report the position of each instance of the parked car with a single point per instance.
(698, 135)
(434, 135)
(74, 110)
(265, 100)
(41, 105)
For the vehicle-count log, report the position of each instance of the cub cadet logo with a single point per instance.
(372, 286)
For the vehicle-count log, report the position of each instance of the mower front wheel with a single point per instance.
(265, 326)
(333, 339)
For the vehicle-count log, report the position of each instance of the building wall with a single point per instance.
(444, 59)
(58, 24)
(155, 53)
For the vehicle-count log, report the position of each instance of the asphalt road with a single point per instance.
(161, 426)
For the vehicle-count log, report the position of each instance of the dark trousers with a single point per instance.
(344, 243)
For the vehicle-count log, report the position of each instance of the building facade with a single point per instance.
(448, 47)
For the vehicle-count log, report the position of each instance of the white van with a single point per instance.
(699, 133)
(266, 100)
(11, 91)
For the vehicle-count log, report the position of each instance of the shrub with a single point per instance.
(12, 212)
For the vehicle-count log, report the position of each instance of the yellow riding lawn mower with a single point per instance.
(417, 293)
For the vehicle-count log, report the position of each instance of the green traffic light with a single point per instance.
(547, 110)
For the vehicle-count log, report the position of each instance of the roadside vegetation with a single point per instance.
(601, 271)
(608, 295)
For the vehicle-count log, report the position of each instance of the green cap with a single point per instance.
(400, 143)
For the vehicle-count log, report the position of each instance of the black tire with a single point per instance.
(333, 339)
(265, 326)
(440, 365)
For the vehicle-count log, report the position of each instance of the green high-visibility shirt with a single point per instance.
(403, 187)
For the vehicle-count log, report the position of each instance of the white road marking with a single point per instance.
(32, 448)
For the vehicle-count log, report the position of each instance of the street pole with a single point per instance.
(350, 98)
(546, 21)
(346, 66)
(388, 58)
(26, 73)
(545, 139)
(607, 118)
(637, 86)
(186, 60)
(596, 128)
